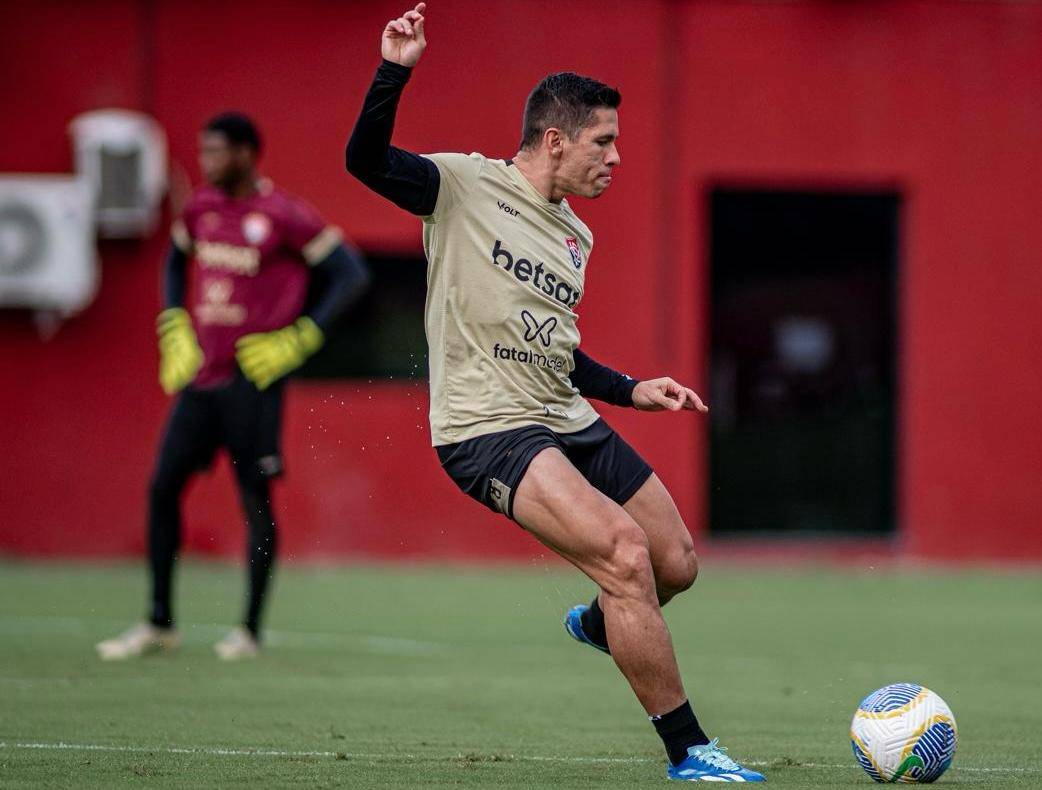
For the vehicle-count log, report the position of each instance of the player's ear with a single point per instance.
(554, 141)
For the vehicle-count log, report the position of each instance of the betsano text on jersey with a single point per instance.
(536, 275)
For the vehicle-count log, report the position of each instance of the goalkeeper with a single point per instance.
(252, 249)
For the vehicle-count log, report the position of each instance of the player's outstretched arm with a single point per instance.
(597, 381)
(406, 179)
(664, 394)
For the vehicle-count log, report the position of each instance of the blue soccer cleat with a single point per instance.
(573, 624)
(710, 763)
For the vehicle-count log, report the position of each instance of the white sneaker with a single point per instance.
(138, 640)
(237, 644)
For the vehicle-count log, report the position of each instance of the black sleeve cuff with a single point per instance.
(625, 391)
(394, 72)
(597, 381)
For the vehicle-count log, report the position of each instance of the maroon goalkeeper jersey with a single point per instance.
(250, 259)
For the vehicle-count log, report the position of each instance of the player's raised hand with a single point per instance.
(664, 394)
(403, 41)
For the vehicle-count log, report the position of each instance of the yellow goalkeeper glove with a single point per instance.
(265, 357)
(179, 354)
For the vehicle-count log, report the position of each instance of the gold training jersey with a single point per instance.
(506, 272)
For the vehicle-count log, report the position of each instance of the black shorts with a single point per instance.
(239, 417)
(489, 468)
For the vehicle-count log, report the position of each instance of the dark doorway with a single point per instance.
(382, 336)
(802, 361)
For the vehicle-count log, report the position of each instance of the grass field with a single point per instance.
(446, 677)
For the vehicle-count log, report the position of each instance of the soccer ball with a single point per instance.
(903, 733)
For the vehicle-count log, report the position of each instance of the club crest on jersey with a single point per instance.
(575, 250)
(255, 228)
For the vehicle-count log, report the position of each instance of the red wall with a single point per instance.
(940, 99)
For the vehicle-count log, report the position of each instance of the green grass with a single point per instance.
(445, 677)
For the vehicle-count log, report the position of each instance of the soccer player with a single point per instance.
(252, 248)
(509, 416)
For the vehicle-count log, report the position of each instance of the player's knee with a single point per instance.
(629, 563)
(678, 572)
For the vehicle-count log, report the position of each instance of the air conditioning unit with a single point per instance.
(47, 256)
(123, 155)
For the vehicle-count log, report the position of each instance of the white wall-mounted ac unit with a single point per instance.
(47, 256)
(123, 154)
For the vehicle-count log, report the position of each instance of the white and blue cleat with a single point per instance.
(706, 763)
(573, 624)
(710, 763)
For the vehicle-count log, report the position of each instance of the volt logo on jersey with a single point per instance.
(513, 212)
(536, 329)
(575, 250)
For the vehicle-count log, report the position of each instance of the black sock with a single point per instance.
(593, 625)
(678, 730)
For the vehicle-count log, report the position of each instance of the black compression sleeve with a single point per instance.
(175, 277)
(594, 380)
(406, 179)
(347, 277)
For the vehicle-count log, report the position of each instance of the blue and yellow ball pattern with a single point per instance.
(903, 733)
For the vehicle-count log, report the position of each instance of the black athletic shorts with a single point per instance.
(239, 417)
(489, 468)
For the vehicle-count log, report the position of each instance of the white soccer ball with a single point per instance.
(903, 733)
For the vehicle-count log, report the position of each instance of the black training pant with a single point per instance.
(245, 421)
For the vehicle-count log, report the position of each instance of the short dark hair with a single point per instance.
(239, 129)
(565, 101)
